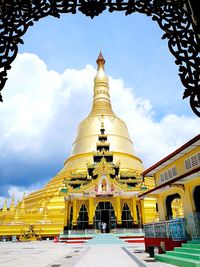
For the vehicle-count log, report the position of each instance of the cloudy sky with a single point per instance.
(50, 86)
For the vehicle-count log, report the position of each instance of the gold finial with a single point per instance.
(101, 78)
(100, 60)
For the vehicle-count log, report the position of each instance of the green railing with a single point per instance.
(193, 222)
(175, 229)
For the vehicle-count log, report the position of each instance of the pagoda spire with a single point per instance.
(101, 98)
(100, 60)
(22, 206)
(12, 205)
(16, 216)
(4, 210)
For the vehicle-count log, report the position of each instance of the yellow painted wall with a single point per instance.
(179, 166)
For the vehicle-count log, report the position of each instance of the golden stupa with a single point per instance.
(99, 182)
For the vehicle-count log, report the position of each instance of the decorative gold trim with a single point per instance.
(108, 135)
(91, 154)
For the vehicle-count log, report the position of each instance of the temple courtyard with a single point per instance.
(50, 254)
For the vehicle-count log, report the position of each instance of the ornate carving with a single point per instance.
(173, 17)
(92, 8)
(103, 167)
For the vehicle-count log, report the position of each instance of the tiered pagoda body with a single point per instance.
(99, 182)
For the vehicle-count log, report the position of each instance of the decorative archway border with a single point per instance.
(173, 16)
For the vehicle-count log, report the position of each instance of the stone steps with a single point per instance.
(188, 250)
(183, 255)
(195, 241)
(191, 245)
(132, 238)
(178, 261)
(186, 256)
(108, 239)
(75, 239)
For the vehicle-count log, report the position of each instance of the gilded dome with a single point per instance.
(115, 128)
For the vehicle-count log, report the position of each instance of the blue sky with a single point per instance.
(131, 44)
(49, 92)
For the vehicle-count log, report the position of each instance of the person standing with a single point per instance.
(104, 225)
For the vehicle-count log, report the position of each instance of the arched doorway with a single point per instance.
(105, 214)
(174, 207)
(127, 219)
(196, 198)
(82, 222)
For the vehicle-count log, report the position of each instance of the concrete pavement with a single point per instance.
(49, 254)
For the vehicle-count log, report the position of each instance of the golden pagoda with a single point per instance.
(99, 183)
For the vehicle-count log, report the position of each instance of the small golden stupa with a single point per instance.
(99, 182)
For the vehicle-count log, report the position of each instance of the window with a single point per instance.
(82, 218)
(167, 175)
(127, 220)
(192, 161)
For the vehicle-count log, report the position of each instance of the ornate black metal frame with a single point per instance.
(173, 16)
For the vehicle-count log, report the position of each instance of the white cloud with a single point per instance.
(18, 193)
(152, 139)
(42, 109)
(35, 99)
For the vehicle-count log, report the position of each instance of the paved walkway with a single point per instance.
(106, 256)
(49, 254)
